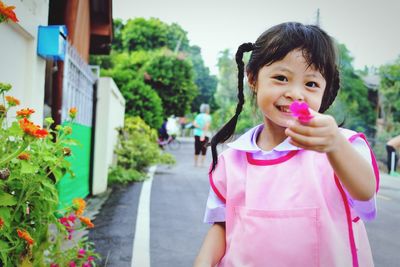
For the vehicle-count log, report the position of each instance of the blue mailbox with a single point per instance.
(52, 42)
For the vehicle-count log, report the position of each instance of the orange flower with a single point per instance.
(25, 235)
(72, 112)
(12, 101)
(86, 221)
(79, 206)
(25, 112)
(31, 129)
(8, 12)
(24, 156)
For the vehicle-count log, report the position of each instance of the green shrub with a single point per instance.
(143, 101)
(137, 149)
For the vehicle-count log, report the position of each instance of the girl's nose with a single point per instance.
(295, 93)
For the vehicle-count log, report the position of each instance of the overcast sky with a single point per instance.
(370, 29)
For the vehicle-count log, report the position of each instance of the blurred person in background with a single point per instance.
(201, 133)
(392, 158)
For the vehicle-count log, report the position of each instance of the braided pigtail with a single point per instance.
(229, 128)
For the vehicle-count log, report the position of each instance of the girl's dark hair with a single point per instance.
(273, 45)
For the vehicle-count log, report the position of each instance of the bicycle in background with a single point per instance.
(171, 142)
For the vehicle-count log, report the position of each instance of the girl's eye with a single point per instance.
(312, 84)
(281, 78)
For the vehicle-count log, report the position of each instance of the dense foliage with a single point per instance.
(172, 77)
(32, 161)
(206, 83)
(149, 51)
(390, 93)
(152, 34)
(137, 150)
(352, 105)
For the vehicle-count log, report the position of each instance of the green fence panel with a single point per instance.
(78, 186)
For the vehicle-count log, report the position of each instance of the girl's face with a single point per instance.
(283, 82)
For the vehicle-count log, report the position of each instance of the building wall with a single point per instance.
(19, 64)
(110, 112)
(78, 24)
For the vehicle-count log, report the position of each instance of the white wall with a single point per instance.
(110, 112)
(19, 65)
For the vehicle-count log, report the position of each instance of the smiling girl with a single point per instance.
(290, 191)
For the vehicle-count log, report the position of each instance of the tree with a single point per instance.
(352, 104)
(172, 77)
(390, 91)
(151, 34)
(118, 27)
(227, 84)
(206, 83)
(141, 100)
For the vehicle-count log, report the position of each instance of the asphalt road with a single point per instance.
(178, 199)
(384, 231)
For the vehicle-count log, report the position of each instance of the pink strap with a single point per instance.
(214, 188)
(349, 223)
(374, 163)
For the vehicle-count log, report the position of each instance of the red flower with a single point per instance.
(8, 12)
(301, 111)
(41, 133)
(1, 223)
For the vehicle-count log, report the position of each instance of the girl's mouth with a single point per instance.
(284, 109)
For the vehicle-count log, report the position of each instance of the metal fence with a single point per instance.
(78, 84)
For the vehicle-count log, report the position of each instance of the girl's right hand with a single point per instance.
(320, 134)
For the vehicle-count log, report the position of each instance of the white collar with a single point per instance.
(248, 142)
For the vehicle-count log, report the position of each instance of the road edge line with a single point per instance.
(141, 241)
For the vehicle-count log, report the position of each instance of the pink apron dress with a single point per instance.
(290, 211)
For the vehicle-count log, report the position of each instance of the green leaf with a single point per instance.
(5, 216)
(28, 168)
(57, 174)
(15, 129)
(3, 245)
(7, 199)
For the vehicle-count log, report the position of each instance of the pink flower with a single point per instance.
(301, 111)
(54, 265)
(81, 253)
(87, 264)
(72, 264)
(64, 221)
(90, 258)
(72, 218)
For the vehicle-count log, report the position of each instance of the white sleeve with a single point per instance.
(366, 210)
(215, 209)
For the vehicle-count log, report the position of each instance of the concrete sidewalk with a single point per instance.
(113, 234)
(115, 221)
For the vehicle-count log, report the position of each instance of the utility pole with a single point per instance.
(317, 20)
(178, 45)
